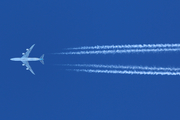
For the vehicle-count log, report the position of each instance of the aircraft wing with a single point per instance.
(28, 52)
(28, 66)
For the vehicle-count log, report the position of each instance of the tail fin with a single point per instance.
(42, 59)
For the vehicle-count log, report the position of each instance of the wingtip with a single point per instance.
(32, 46)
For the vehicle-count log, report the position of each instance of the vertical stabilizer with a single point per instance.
(42, 59)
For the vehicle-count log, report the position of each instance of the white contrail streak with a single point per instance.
(127, 46)
(127, 72)
(122, 51)
(125, 67)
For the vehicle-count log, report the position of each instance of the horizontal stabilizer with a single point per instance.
(42, 59)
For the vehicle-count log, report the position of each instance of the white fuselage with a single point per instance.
(25, 59)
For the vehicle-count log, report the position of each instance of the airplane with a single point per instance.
(25, 58)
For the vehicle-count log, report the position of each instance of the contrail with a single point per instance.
(126, 72)
(122, 51)
(125, 67)
(126, 46)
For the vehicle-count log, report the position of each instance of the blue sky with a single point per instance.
(54, 93)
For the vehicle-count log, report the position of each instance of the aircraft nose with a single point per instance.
(11, 59)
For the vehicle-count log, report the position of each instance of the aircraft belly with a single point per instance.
(30, 59)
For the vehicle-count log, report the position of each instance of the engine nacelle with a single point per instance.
(27, 49)
(23, 64)
(27, 68)
(23, 53)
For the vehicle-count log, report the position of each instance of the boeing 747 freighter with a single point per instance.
(25, 58)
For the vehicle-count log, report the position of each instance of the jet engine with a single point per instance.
(23, 53)
(27, 49)
(27, 68)
(23, 64)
